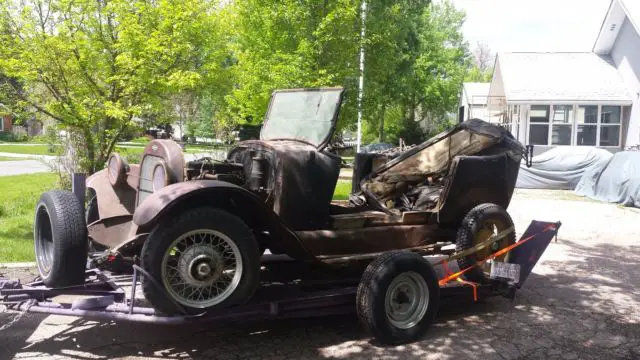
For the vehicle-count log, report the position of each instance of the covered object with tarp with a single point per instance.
(561, 167)
(617, 181)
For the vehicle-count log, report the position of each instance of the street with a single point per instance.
(581, 302)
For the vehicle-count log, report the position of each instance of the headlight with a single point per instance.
(117, 169)
(160, 177)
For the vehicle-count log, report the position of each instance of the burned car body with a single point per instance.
(199, 227)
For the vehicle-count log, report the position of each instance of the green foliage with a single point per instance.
(12, 137)
(95, 65)
(289, 44)
(342, 190)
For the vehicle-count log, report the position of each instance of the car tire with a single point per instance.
(176, 250)
(475, 229)
(60, 239)
(387, 284)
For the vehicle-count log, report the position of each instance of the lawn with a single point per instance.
(39, 149)
(342, 191)
(10, 158)
(18, 199)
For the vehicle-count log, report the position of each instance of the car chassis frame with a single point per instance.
(105, 296)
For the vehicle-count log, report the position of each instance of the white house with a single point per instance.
(473, 101)
(574, 99)
(619, 38)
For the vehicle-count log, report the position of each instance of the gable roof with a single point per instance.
(571, 77)
(476, 93)
(619, 10)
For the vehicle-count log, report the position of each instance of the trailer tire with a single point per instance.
(387, 284)
(60, 239)
(195, 248)
(473, 230)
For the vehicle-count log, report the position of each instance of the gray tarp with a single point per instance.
(561, 167)
(618, 181)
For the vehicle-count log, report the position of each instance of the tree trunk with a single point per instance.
(381, 125)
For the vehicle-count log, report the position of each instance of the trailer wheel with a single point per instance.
(398, 296)
(482, 222)
(60, 239)
(202, 259)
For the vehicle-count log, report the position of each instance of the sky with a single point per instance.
(533, 25)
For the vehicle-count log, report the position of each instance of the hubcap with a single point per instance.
(201, 268)
(406, 300)
(489, 229)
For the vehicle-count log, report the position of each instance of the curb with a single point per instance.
(20, 265)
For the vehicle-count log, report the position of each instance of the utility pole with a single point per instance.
(363, 15)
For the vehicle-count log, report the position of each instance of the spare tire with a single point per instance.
(482, 222)
(60, 239)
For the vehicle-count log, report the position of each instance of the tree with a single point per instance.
(481, 70)
(415, 69)
(289, 44)
(92, 65)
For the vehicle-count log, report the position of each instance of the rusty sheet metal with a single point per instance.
(112, 231)
(118, 201)
(372, 239)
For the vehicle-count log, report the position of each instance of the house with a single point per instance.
(6, 123)
(619, 38)
(473, 101)
(551, 99)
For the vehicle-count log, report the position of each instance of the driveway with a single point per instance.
(581, 302)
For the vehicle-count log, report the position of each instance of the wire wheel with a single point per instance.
(201, 268)
(406, 300)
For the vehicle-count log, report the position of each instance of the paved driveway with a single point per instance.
(581, 302)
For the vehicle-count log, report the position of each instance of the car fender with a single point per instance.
(230, 197)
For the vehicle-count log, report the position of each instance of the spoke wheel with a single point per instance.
(201, 268)
(201, 259)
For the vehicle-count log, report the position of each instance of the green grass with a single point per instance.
(10, 158)
(342, 191)
(40, 149)
(18, 199)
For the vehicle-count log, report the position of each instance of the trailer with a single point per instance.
(304, 291)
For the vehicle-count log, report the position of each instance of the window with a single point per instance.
(610, 126)
(581, 125)
(539, 125)
(562, 124)
(587, 125)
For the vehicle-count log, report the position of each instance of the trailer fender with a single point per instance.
(224, 195)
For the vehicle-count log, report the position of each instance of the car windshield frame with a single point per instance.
(291, 115)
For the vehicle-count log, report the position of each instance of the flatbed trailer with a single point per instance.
(109, 296)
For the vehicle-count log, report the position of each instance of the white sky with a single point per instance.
(533, 25)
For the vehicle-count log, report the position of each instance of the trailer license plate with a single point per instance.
(502, 270)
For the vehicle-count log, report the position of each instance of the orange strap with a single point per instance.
(473, 285)
(448, 278)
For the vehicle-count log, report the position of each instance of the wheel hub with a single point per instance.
(201, 268)
(406, 300)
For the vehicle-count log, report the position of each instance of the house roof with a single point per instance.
(575, 77)
(476, 93)
(613, 20)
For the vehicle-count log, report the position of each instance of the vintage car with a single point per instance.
(199, 228)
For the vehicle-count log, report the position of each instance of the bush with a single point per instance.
(140, 140)
(11, 137)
